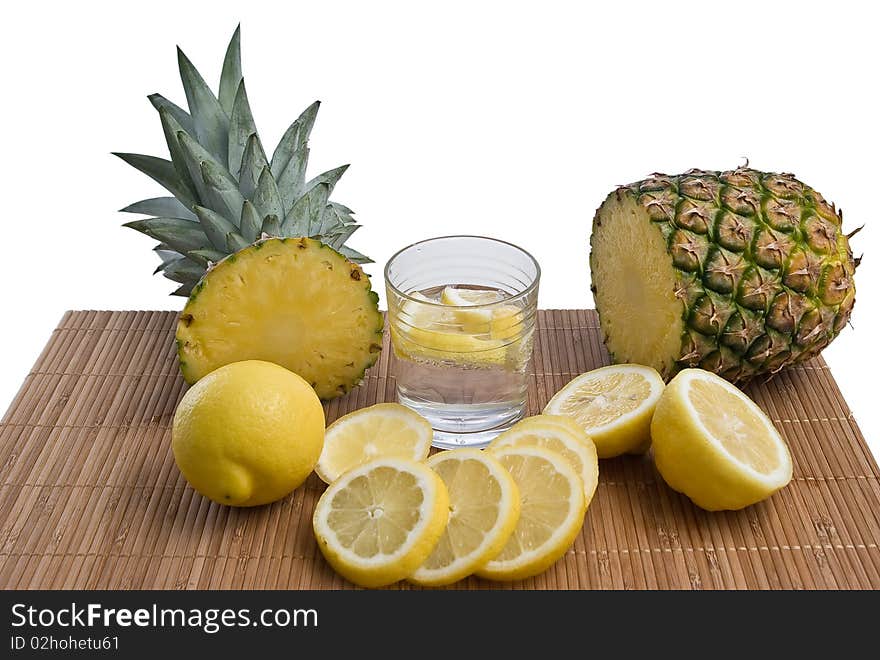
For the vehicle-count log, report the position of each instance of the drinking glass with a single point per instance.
(462, 311)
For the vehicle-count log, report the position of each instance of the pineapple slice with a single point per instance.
(295, 302)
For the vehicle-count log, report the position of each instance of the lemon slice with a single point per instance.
(456, 345)
(385, 429)
(475, 321)
(613, 405)
(378, 523)
(435, 332)
(506, 323)
(463, 297)
(551, 512)
(559, 434)
(483, 511)
(497, 321)
(715, 445)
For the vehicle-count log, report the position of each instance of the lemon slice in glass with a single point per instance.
(426, 329)
(715, 445)
(613, 405)
(378, 523)
(483, 511)
(562, 435)
(552, 508)
(463, 297)
(497, 321)
(385, 429)
(475, 321)
(506, 323)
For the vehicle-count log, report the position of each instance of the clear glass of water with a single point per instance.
(462, 313)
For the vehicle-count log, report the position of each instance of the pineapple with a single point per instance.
(259, 249)
(739, 272)
(292, 301)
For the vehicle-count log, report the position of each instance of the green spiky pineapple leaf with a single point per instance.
(241, 129)
(293, 178)
(294, 137)
(183, 291)
(267, 198)
(163, 172)
(253, 161)
(304, 218)
(183, 271)
(250, 222)
(226, 192)
(211, 123)
(338, 238)
(354, 255)
(165, 256)
(337, 215)
(271, 226)
(197, 158)
(206, 257)
(167, 206)
(171, 128)
(182, 116)
(215, 226)
(235, 242)
(230, 76)
(178, 234)
(330, 177)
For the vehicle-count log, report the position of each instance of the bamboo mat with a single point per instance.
(90, 496)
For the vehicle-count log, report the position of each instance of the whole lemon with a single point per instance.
(248, 433)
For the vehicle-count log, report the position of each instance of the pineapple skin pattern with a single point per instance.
(759, 271)
(231, 206)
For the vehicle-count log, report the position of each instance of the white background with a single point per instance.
(512, 120)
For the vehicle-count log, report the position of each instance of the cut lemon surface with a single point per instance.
(552, 508)
(484, 508)
(562, 435)
(385, 429)
(380, 521)
(613, 405)
(715, 445)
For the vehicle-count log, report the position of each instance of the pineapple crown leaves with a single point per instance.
(226, 193)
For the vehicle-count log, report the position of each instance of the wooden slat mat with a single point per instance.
(90, 496)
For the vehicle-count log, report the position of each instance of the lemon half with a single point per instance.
(715, 445)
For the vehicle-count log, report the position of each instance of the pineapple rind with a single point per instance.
(761, 266)
(226, 309)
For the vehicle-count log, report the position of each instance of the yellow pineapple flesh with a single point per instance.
(295, 302)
